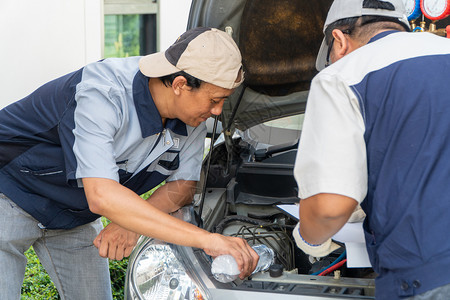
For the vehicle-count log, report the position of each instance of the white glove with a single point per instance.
(320, 250)
(358, 215)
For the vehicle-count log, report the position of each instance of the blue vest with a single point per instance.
(406, 110)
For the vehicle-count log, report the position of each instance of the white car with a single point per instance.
(250, 169)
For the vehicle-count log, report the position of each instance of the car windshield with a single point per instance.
(276, 132)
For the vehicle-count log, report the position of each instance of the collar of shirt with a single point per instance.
(148, 115)
(382, 35)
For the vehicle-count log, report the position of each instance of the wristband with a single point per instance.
(319, 250)
(300, 235)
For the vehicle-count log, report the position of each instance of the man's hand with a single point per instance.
(246, 258)
(115, 242)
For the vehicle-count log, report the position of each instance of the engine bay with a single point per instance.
(243, 203)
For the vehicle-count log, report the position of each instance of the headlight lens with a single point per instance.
(158, 274)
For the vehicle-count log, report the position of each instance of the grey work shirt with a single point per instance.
(99, 121)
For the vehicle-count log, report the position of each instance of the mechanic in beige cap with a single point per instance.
(89, 143)
(376, 133)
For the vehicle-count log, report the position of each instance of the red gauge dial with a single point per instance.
(435, 9)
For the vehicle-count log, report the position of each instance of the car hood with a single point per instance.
(279, 41)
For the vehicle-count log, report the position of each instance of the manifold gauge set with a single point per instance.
(431, 9)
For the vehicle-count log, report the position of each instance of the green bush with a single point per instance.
(37, 285)
(117, 271)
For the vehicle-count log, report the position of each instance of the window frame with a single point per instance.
(131, 7)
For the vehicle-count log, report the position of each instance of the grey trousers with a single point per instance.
(68, 256)
(440, 293)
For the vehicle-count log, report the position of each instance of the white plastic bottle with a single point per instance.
(225, 269)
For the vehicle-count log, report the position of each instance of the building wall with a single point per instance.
(44, 39)
(173, 20)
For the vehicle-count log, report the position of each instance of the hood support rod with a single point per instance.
(202, 199)
(227, 132)
(211, 146)
(235, 108)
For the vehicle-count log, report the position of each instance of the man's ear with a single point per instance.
(341, 44)
(179, 84)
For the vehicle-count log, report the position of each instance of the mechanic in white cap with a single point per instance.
(89, 143)
(376, 133)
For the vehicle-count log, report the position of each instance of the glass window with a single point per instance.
(276, 132)
(129, 35)
(130, 27)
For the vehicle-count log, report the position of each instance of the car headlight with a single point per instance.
(158, 272)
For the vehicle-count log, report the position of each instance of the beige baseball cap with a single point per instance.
(208, 54)
(343, 9)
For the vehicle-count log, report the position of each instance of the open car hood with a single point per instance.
(279, 41)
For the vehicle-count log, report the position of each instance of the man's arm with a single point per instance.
(116, 242)
(125, 208)
(173, 195)
(322, 215)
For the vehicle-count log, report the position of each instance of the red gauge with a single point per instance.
(435, 9)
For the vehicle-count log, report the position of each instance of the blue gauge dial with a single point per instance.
(412, 9)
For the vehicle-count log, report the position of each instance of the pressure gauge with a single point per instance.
(412, 8)
(435, 9)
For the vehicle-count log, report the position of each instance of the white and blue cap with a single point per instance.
(343, 9)
(208, 54)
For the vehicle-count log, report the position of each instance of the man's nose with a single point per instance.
(217, 108)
